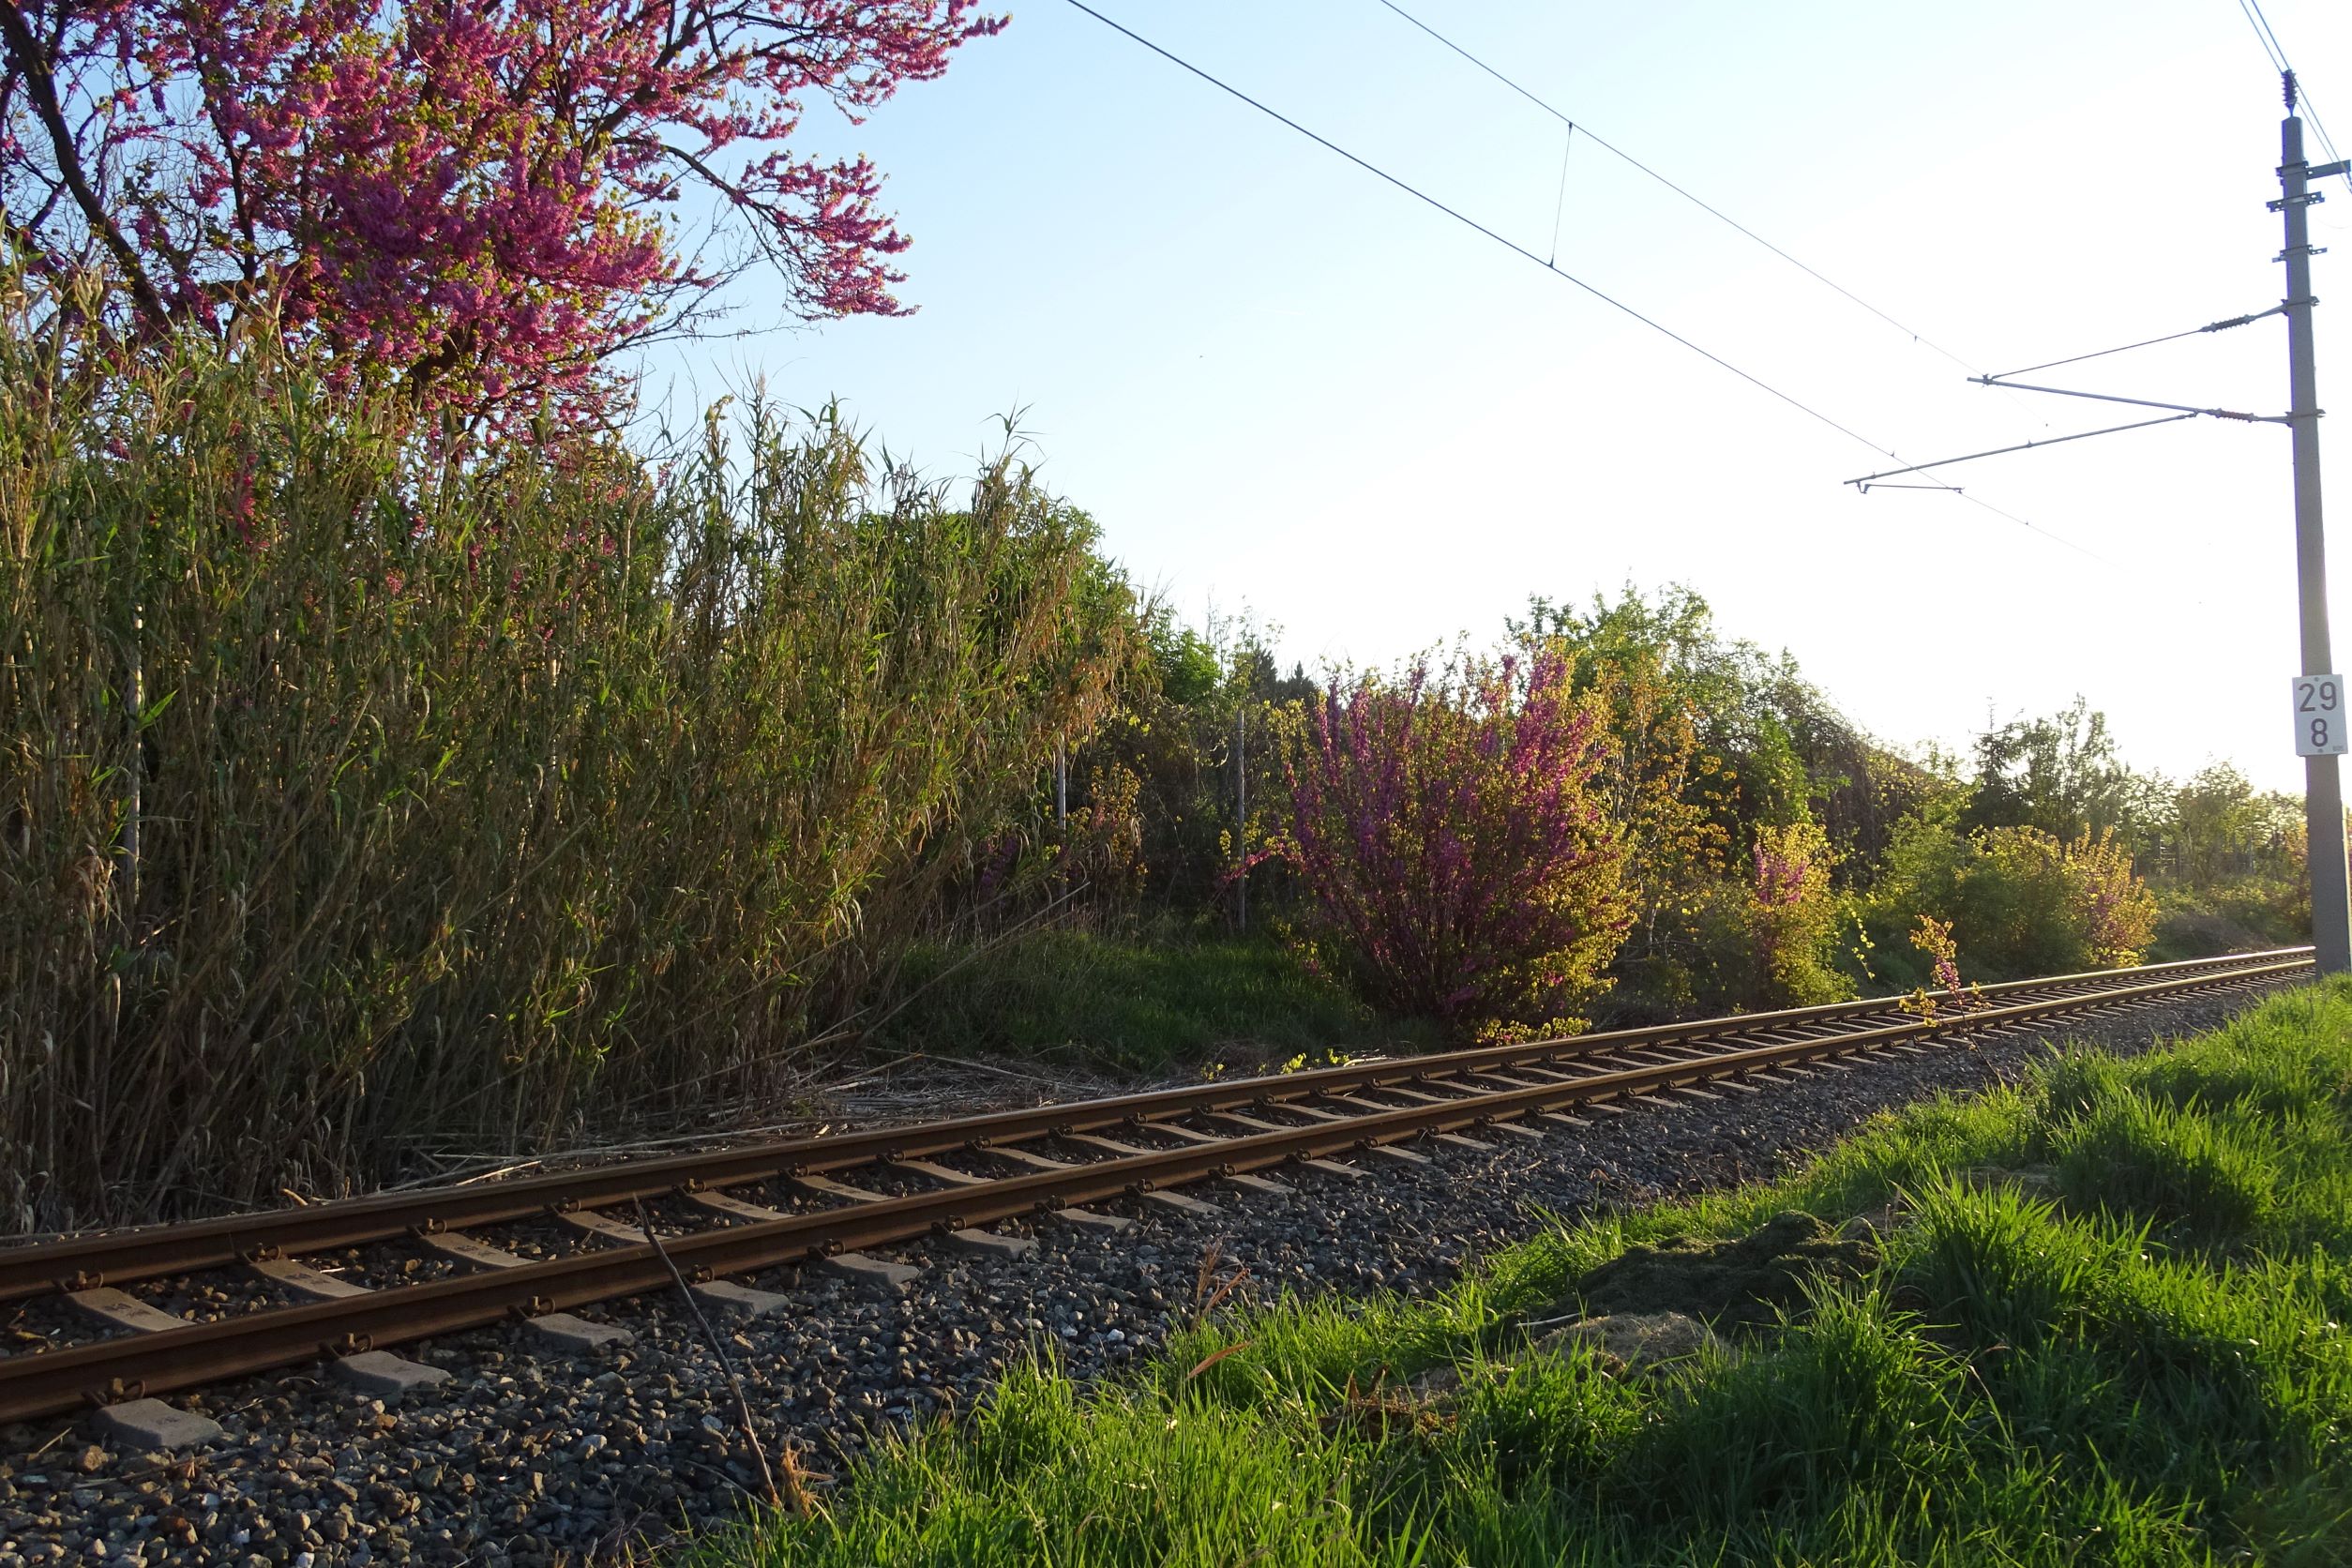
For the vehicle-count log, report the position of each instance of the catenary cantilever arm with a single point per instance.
(1865, 482)
(2135, 402)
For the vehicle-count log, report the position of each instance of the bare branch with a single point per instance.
(40, 89)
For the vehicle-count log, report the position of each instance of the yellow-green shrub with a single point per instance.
(2020, 902)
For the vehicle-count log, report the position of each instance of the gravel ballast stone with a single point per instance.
(529, 1451)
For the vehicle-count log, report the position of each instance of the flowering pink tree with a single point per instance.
(1452, 833)
(1788, 867)
(1788, 928)
(477, 200)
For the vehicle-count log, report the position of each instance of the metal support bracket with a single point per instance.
(2135, 402)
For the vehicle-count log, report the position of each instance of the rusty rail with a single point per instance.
(50, 1381)
(125, 1257)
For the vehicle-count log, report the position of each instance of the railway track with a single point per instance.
(756, 1207)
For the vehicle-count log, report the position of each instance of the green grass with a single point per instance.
(1134, 1005)
(2127, 1351)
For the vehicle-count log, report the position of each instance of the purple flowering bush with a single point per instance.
(1452, 837)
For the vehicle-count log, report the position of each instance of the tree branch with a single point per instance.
(40, 87)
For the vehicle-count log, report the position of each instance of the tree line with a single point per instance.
(1724, 836)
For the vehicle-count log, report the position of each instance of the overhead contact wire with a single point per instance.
(1518, 250)
(1697, 202)
(1467, 221)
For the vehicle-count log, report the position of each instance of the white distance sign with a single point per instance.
(2319, 716)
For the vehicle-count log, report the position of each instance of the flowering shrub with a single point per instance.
(1450, 833)
(1932, 940)
(1769, 938)
(1792, 924)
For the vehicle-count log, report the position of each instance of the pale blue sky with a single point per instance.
(1281, 384)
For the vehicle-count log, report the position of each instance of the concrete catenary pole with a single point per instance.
(2323, 790)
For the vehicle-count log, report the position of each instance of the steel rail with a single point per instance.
(48, 1382)
(125, 1256)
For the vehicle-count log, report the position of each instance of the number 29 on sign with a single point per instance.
(2319, 716)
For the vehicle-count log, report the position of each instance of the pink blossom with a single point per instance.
(472, 199)
(1449, 829)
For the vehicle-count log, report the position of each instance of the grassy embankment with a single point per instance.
(1127, 1005)
(2098, 1322)
(2236, 916)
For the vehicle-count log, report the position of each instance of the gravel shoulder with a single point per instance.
(529, 1456)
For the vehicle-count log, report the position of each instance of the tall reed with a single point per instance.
(362, 791)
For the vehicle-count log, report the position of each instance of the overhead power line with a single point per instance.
(1470, 223)
(2280, 63)
(1704, 206)
(1517, 249)
(2143, 343)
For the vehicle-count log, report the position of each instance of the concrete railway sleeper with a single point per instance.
(1310, 1121)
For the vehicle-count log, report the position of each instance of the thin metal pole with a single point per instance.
(1240, 812)
(2323, 789)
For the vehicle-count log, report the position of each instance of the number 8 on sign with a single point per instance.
(2319, 716)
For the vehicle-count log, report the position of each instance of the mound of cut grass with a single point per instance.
(2100, 1324)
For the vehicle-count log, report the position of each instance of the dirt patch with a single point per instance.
(1624, 1345)
(2032, 1180)
(1875, 1223)
(1633, 1341)
(1728, 1285)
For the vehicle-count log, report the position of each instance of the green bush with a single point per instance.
(2020, 902)
(2235, 914)
(1156, 835)
(1771, 939)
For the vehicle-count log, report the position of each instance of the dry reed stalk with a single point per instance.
(478, 792)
